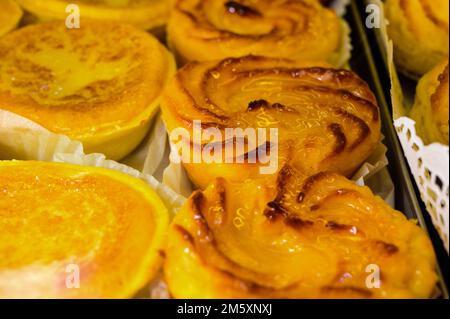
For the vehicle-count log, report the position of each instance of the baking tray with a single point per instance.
(368, 62)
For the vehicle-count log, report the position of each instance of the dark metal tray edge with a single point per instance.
(367, 65)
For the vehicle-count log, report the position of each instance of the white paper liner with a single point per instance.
(429, 164)
(340, 6)
(22, 139)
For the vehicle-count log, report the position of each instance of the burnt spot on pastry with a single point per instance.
(364, 129)
(220, 186)
(340, 138)
(310, 181)
(198, 200)
(257, 104)
(300, 197)
(389, 249)
(339, 227)
(264, 149)
(260, 104)
(187, 236)
(162, 253)
(274, 210)
(297, 223)
(242, 10)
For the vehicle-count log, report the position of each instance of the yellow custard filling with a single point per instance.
(57, 217)
(146, 14)
(100, 90)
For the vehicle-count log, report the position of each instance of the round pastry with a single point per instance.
(10, 14)
(314, 117)
(323, 237)
(217, 29)
(431, 108)
(420, 32)
(70, 231)
(145, 14)
(100, 90)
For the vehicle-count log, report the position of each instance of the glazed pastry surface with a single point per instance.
(420, 33)
(327, 119)
(216, 29)
(60, 220)
(145, 14)
(431, 108)
(320, 237)
(95, 89)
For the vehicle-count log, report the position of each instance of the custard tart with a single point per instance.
(324, 119)
(99, 84)
(431, 108)
(10, 15)
(319, 237)
(145, 14)
(420, 33)
(216, 29)
(70, 231)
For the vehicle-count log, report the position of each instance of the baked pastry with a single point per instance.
(100, 90)
(145, 14)
(431, 108)
(327, 119)
(323, 237)
(10, 14)
(217, 29)
(67, 233)
(420, 32)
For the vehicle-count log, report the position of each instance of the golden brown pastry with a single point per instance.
(10, 14)
(323, 237)
(145, 14)
(100, 90)
(420, 32)
(70, 231)
(217, 29)
(327, 119)
(431, 108)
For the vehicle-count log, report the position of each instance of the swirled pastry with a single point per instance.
(10, 14)
(100, 90)
(327, 119)
(145, 14)
(323, 237)
(216, 29)
(420, 32)
(431, 108)
(69, 231)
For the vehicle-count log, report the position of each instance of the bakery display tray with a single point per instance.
(368, 62)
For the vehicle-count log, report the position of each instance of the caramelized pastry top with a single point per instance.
(431, 107)
(320, 237)
(327, 119)
(420, 33)
(146, 14)
(440, 105)
(54, 216)
(215, 29)
(79, 82)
